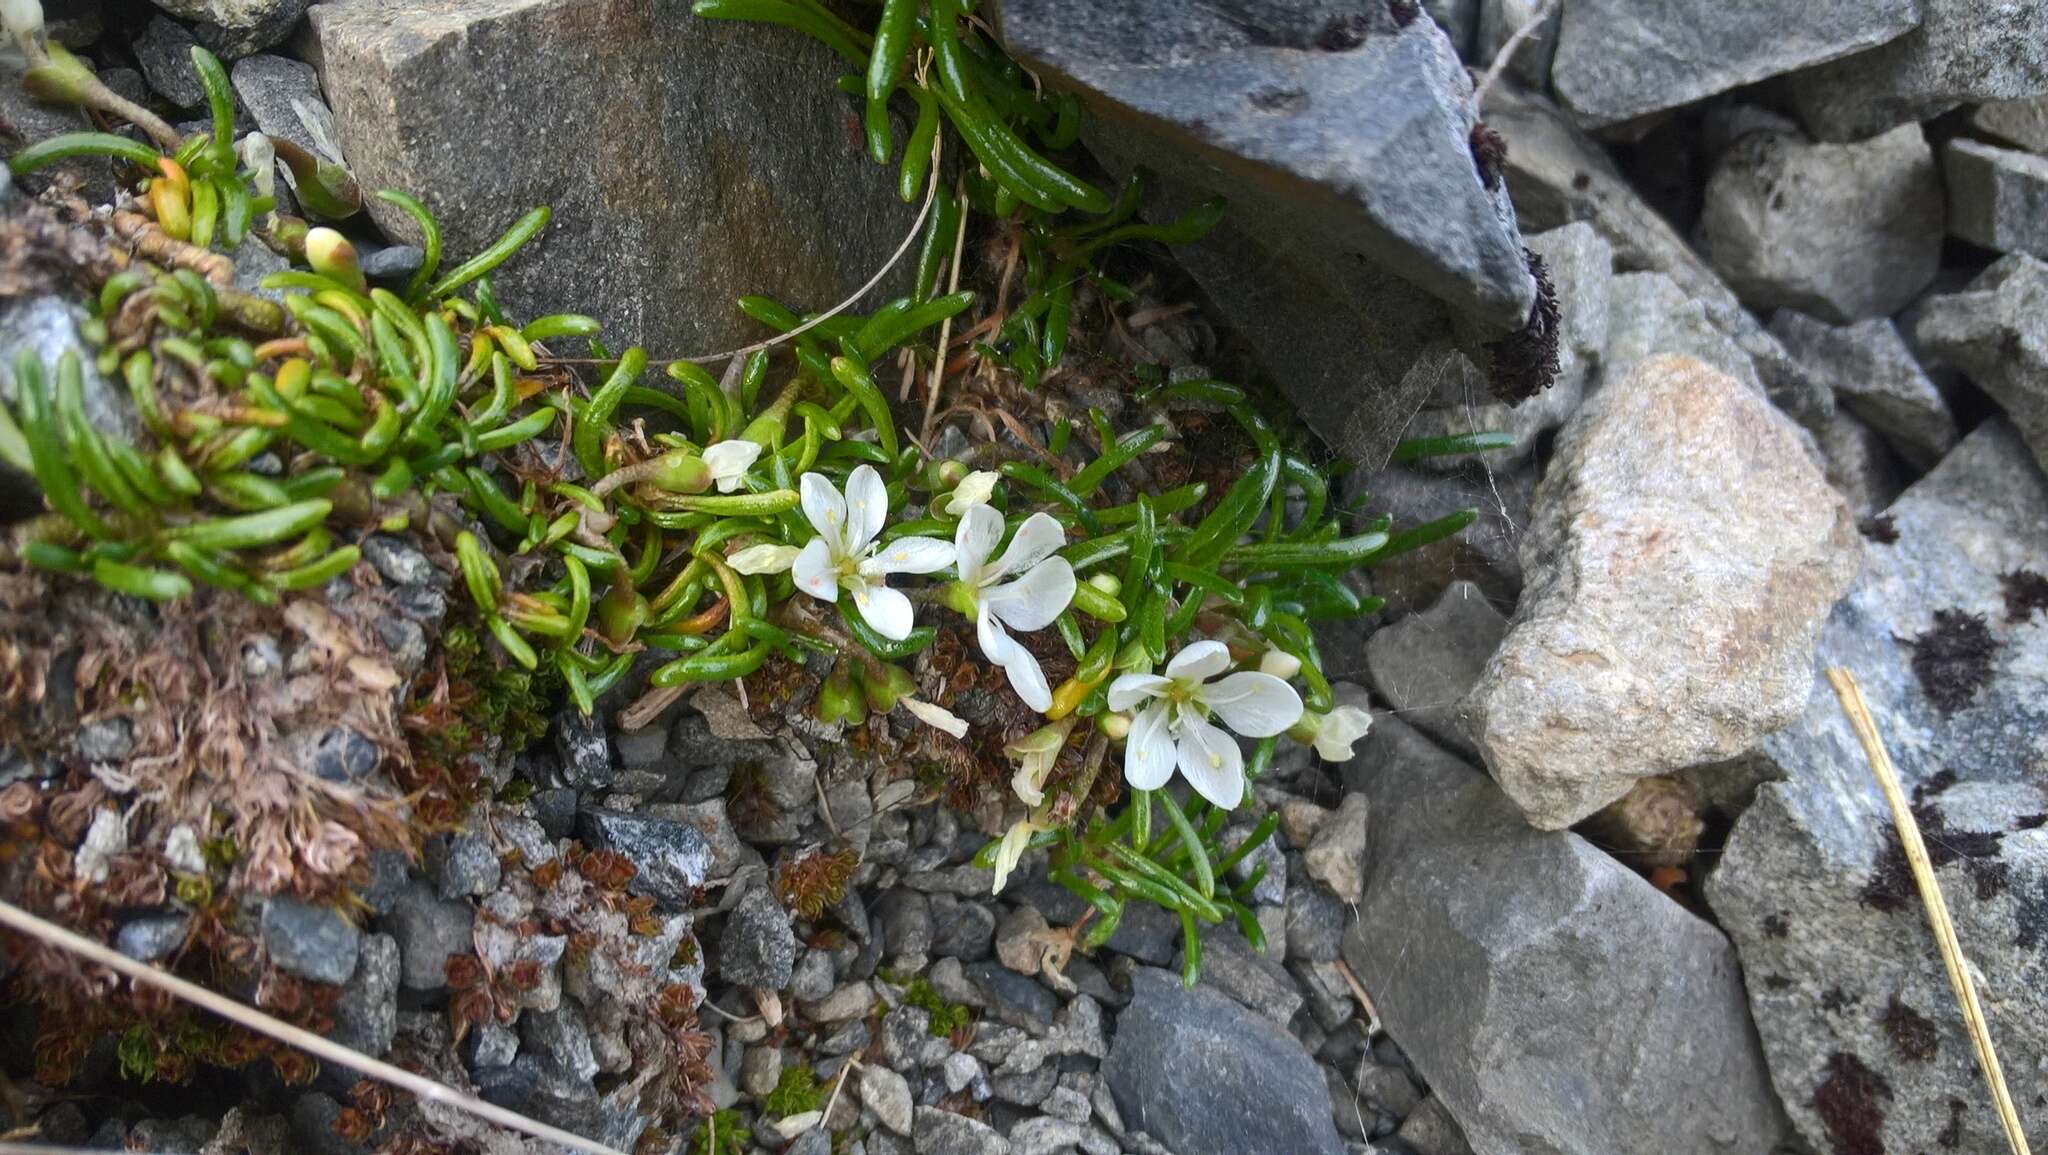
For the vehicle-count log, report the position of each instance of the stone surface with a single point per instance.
(1248, 104)
(1962, 51)
(1208, 1077)
(1554, 1001)
(1256, 982)
(152, 937)
(2019, 122)
(283, 96)
(428, 930)
(366, 1015)
(164, 50)
(670, 857)
(1462, 402)
(1872, 1055)
(1657, 823)
(682, 171)
(1842, 231)
(25, 120)
(312, 942)
(235, 28)
(758, 948)
(1858, 463)
(1996, 331)
(1652, 316)
(580, 743)
(1336, 857)
(1620, 59)
(940, 1132)
(1997, 197)
(1684, 553)
(1424, 664)
(1876, 377)
(887, 1094)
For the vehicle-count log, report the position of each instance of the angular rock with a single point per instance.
(718, 177)
(1462, 402)
(1485, 553)
(1430, 1130)
(1653, 317)
(580, 743)
(1424, 664)
(1997, 197)
(1361, 248)
(1315, 924)
(1683, 555)
(670, 858)
(1336, 857)
(153, 936)
(1961, 52)
(428, 931)
(366, 1015)
(1208, 1077)
(1997, 332)
(758, 948)
(1842, 231)
(312, 942)
(1874, 1056)
(887, 1094)
(1876, 377)
(1257, 983)
(1497, 924)
(2023, 123)
(1618, 59)
(940, 1132)
(1858, 463)
(283, 96)
(236, 28)
(25, 120)
(164, 50)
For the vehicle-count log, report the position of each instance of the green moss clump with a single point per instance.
(946, 1017)
(796, 1093)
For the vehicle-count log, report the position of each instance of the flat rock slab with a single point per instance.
(1556, 1003)
(1963, 51)
(1875, 375)
(687, 161)
(1684, 551)
(2023, 123)
(1996, 330)
(1620, 59)
(1997, 197)
(1865, 1043)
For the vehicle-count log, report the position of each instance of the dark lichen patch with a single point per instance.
(1890, 885)
(1525, 362)
(1776, 926)
(1936, 784)
(1404, 12)
(1880, 528)
(1279, 98)
(2025, 592)
(2030, 822)
(1914, 1036)
(1777, 983)
(2030, 912)
(1348, 31)
(1489, 153)
(1891, 888)
(1850, 1103)
(1952, 659)
(1951, 1135)
(1835, 1000)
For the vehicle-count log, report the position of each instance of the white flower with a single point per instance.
(1025, 589)
(937, 717)
(1338, 729)
(764, 558)
(1015, 840)
(974, 489)
(1035, 755)
(1280, 664)
(729, 462)
(1174, 729)
(844, 554)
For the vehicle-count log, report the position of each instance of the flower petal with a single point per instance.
(1253, 704)
(1212, 764)
(1340, 729)
(1028, 679)
(1036, 540)
(814, 571)
(996, 645)
(1014, 841)
(909, 555)
(974, 489)
(764, 558)
(937, 717)
(887, 610)
(1034, 600)
(1199, 661)
(1130, 689)
(730, 459)
(825, 509)
(980, 529)
(867, 500)
(1149, 753)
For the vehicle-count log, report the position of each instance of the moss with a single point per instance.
(795, 1093)
(723, 1133)
(1952, 659)
(1913, 1035)
(1525, 362)
(2025, 591)
(1850, 1103)
(946, 1017)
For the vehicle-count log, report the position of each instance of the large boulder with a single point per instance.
(1962, 51)
(1364, 243)
(682, 172)
(1865, 1042)
(1996, 330)
(1555, 1002)
(1684, 551)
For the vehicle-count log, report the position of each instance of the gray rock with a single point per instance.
(1430, 1130)
(944, 1133)
(1361, 249)
(1425, 663)
(560, 1037)
(580, 744)
(905, 919)
(164, 50)
(1877, 378)
(1874, 1056)
(49, 325)
(852, 1001)
(337, 753)
(813, 977)
(962, 928)
(311, 942)
(283, 96)
(236, 28)
(1961, 52)
(1859, 464)
(1272, 885)
(1997, 197)
(1231, 966)
(1486, 552)
(1494, 921)
(670, 858)
(496, 1045)
(1315, 924)
(1461, 402)
(887, 1094)
(1667, 622)
(1652, 317)
(1618, 60)
(1208, 1077)
(1045, 1135)
(1997, 332)
(1147, 933)
(25, 120)
(1501, 19)
(428, 931)
(392, 265)
(439, 99)
(1011, 997)
(152, 937)
(366, 1014)
(2023, 123)
(960, 1070)
(1019, 942)
(463, 865)
(1335, 857)
(1386, 1088)
(105, 739)
(758, 948)
(1843, 231)
(1581, 266)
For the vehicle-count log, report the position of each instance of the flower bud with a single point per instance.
(1114, 726)
(947, 474)
(1280, 664)
(680, 471)
(621, 613)
(1106, 583)
(331, 255)
(288, 236)
(839, 700)
(883, 693)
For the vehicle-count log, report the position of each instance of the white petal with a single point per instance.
(937, 717)
(730, 459)
(1014, 841)
(825, 509)
(867, 501)
(1027, 788)
(1253, 704)
(813, 568)
(1199, 661)
(1210, 761)
(974, 489)
(974, 539)
(1279, 663)
(1130, 689)
(1340, 729)
(1028, 679)
(996, 645)
(1036, 540)
(908, 555)
(764, 558)
(887, 610)
(1148, 749)
(1034, 600)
